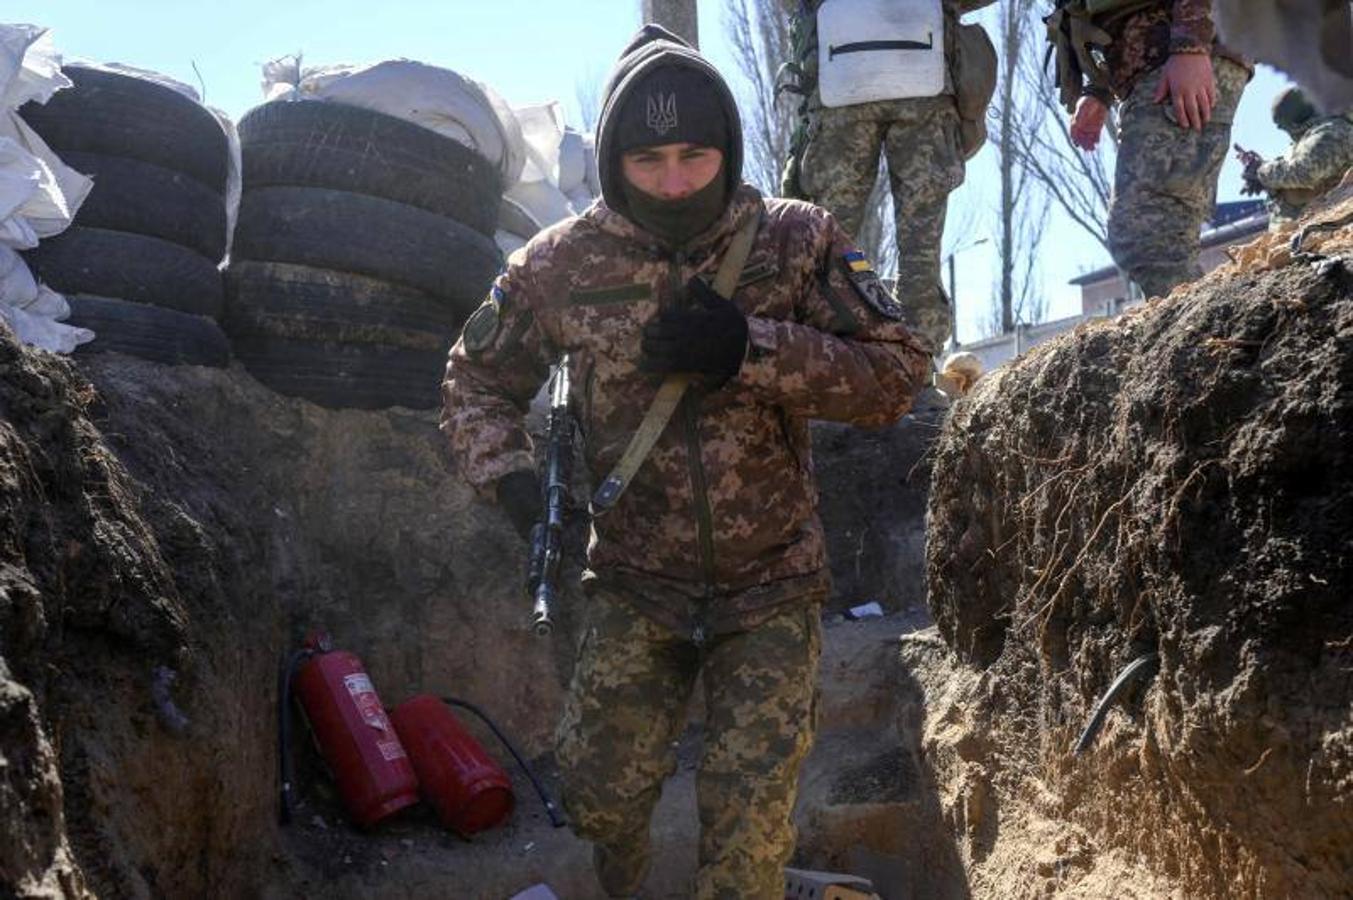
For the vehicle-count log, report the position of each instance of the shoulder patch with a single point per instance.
(862, 277)
(482, 326)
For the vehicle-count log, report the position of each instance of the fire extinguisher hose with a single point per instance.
(556, 818)
(285, 776)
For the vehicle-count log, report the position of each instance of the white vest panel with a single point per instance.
(879, 50)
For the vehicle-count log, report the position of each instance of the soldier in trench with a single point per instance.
(1177, 89)
(712, 561)
(909, 72)
(1320, 155)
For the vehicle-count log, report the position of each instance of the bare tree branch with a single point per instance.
(1022, 209)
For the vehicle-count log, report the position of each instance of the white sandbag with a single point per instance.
(17, 285)
(544, 202)
(30, 67)
(435, 98)
(879, 50)
(542, 127)
(38, 193)
(40, 331)
(571, 169)
(580, 198)
(508, 242)
(515, 218)
(60, 189)
(592, 175)
(17, 233)
(20, 174)
(35, 311)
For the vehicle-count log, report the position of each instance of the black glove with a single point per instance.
(519, 495)
(1252, 184)
(709, 338)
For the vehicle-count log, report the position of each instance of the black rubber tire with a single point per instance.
(128, 266)
(332, 145)
(150, 332)
(357, 376)
(290, 301)
(370, 236)
(130, 195)
(119, 115)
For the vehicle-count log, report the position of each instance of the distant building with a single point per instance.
(1105, 292)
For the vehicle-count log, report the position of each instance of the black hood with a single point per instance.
(652, 47)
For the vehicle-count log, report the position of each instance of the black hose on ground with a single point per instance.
(1134, 670)
(556, 819)
(284, 766)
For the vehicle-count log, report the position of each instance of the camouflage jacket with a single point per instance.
(1314, 164)
(1144, 38)
(720, 521)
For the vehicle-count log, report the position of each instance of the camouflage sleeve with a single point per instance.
(847, 357)
(1191, 28)
(1322, 155)
(495, 368)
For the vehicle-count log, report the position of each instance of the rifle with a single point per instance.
(547, 536)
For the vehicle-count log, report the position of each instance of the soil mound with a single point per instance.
(1176, 483)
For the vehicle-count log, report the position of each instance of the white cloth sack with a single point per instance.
(437, 99)
(35, 311)
(879, 50)
(38, 193)
(542, 127)
(556, 182)
(30, 67)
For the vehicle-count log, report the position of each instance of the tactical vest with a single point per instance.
(871, 50)
(1077, 37)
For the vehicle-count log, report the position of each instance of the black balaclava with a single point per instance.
(677, 221)
(664, 92)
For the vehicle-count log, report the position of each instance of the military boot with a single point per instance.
(620, 870)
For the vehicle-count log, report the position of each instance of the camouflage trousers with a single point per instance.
(625, 711)
(1165, 184)
(920, 140)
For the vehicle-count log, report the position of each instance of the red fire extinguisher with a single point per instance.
(356, 738)
(469, 790)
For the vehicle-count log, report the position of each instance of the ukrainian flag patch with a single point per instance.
(856, 261)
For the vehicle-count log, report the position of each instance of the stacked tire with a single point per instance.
(363, 242)
(140, 262)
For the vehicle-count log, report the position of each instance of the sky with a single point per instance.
(529, 51)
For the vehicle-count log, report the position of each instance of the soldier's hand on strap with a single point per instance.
(1188, 84)
(1088, 122)
(709, 338)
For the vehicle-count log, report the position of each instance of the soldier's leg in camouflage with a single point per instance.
(1165, 184)
(759, 721)
(925, 165)
(625, 708)
(841, 160)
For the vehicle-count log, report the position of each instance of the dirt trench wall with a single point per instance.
(1176, 482)
(190, 519)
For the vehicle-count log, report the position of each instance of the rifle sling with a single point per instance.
(673, 387)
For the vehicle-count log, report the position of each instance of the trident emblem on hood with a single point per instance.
(662, 113)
